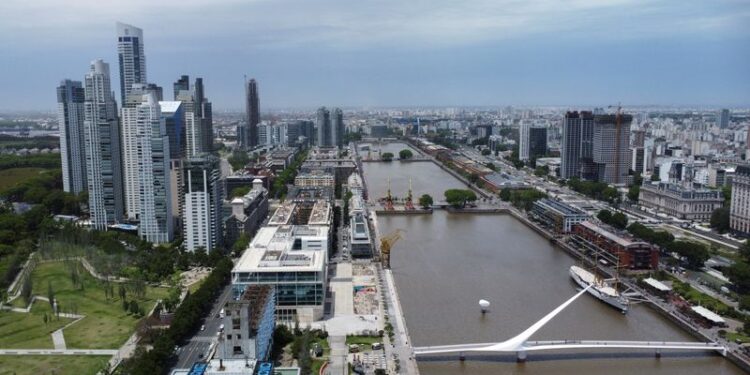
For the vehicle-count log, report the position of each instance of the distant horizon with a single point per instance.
(405, 54)
(312, 109)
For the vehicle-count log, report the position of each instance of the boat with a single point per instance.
(602, 289)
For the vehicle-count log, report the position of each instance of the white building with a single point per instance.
(523, 140)
(293, 259)
(132, 58)
(102, 140)
(739, 211)
(146, 166)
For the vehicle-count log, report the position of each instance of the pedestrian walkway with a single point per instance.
(103, 352)
(339, 352)
(58, 339)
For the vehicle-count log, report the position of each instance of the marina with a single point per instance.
(446, 262)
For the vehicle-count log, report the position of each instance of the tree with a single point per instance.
(405, 154)
(695, 253)
(655, 177)
(50, 294)
(473, 178)
(720, 219)
(634, 192)
(619, 220)
(541, 171)
(425, 201)
(459, 197)
(240, 191)
(386, 156)
(486, 152)
(238, 160)
(491, 166)
(241, 244)
(739, 274)
(26, 288)
(605, 216)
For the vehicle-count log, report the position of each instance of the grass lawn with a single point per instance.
(733, 336)
(58, 365)
(316, 365)
(363, 340)
(28, 331)
(106, 325)
(12, 176)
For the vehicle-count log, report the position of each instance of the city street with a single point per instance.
(197, 348)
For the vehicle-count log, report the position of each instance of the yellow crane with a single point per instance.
(386, 243)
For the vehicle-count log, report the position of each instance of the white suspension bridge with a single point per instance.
(520, 344)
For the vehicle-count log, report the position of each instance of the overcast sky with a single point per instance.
(306, 53)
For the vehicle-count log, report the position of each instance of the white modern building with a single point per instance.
(131, 56)
(70, 116)
(523, 140)
(739, 211)
(102, 140)
(293, 259)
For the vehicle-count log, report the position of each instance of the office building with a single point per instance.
(249, 322)
(537, 142)
(314, 178)
(722, 119)
(70, 116)
(173, 114)
(677, 200)
(248, 134)
(739, 211)
(294, 260)
(577, 138)
(248, 213)
(132, 58)
(638, 162)
(324, 131)
(102, 140)
(198, 117)
(202, 221)
(611, 148)
(523, 141)
(557, 215)
(338, 129)
(182, 84)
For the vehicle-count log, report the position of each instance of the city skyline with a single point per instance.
(424, 54)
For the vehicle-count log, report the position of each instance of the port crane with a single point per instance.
(386, 243)
(389, 197)
(409, 204)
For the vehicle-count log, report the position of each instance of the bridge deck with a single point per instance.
(569, 344)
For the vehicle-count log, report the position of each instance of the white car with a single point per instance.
(203, 327)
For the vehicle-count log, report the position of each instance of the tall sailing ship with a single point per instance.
(603, 289)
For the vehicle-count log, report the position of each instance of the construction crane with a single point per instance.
(618, 128)
(386, 243)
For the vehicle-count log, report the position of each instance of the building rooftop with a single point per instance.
(560, 207)
(286, 248)
(321, 213)
(283, 214)
(656, 284)
(625, 242)
(708, 314)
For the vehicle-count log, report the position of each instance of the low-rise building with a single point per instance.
(248, 213)
(294, 260)
(557, 215)
(618, 248)
(248, 324)
(688, 203)
(314, 178)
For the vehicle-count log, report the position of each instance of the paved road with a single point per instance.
(199, 344)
